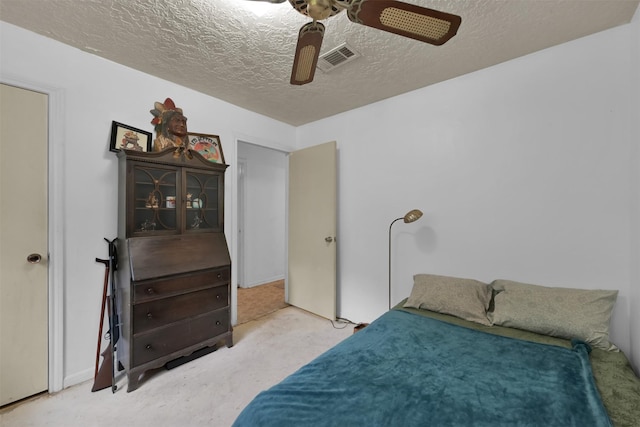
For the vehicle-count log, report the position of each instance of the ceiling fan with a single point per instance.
(405, 19)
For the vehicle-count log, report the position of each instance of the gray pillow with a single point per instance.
(464, 298)
(559, 312)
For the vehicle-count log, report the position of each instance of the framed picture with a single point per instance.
(207, 145)
(129, 138)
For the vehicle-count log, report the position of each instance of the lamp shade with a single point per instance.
(412, 215)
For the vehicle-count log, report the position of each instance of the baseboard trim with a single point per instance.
(262, 282)
(78, 377)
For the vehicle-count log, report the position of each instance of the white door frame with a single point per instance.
(56, 225)
(240, 177)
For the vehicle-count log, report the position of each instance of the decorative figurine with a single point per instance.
(196, 222)
(171, 127)
(152, 201)
(147, 225)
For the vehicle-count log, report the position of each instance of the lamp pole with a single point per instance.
(411, 216)
(393, 222)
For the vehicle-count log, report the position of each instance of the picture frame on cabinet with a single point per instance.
(125, 137)
(207, 145)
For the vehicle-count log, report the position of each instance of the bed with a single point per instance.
(459, 352)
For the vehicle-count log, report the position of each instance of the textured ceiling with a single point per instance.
(227, 49)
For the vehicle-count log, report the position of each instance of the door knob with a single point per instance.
(328, 239)
(34, 258)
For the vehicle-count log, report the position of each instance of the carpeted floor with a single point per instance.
(258, 301)
(209, 391)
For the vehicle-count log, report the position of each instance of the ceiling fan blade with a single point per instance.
(307, 53)
(409, 20)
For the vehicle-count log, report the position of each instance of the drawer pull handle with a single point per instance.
(218, 323)
(150, 291)
(219, 275)
(149, 316)
(218, 296)
(148, 346)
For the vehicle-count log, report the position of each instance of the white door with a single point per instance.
(312, 229)
(23, 244)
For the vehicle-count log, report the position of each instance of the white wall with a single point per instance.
(524, 171)
(635, 195)
(92, 92)
(264, 231)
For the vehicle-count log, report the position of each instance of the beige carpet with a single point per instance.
(259, 301)
(210, 391)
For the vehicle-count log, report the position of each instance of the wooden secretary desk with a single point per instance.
(174, 268)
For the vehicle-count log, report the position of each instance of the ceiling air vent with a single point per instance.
(337, 57)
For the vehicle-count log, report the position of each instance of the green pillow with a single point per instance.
(465, 298)
(559, 312)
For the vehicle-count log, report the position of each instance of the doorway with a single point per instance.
(258, 301)
(261, 220)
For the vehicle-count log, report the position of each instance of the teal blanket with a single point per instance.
(408, 370)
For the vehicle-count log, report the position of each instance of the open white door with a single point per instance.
(312, 229)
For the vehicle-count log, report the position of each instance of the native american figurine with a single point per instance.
(171, 126)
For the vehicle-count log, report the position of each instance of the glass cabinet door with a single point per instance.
(154, 207)
(202, 201)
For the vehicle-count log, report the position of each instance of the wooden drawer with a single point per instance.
(153, 314)
(156, 344)
(160, 288)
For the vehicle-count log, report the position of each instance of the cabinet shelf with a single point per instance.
(152, 184)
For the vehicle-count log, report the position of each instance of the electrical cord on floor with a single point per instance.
(341, 320)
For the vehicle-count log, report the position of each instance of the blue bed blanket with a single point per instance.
(409, 370)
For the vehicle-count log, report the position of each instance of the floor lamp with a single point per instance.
(411, 216)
